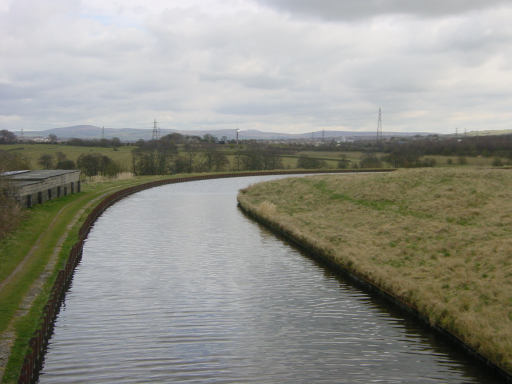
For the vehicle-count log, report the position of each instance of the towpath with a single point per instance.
(8, 336)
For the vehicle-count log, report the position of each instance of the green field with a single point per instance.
(123, 156)
(438, 240)
(472, 161)
(32, 152)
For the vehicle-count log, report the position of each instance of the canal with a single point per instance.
(177, 285)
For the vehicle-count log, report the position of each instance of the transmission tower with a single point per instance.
(156, 131)
(379, 126)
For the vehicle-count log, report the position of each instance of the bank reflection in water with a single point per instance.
(177, 285)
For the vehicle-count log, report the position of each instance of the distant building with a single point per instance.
(36, 187)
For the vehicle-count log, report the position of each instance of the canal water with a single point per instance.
(177, 285)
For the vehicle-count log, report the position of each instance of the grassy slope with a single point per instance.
(16, 246)
(438, 239)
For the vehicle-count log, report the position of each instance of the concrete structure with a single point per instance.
(36, 187)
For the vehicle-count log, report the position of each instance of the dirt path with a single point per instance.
(8, 336)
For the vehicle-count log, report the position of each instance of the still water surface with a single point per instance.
(177, 285)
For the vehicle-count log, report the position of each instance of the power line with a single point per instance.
(156, 131)
(379, 126)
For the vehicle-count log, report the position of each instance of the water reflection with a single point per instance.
(176, 285)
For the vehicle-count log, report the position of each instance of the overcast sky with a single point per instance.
(275, 65)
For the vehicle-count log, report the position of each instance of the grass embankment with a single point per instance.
(438, 240)
(33, 236)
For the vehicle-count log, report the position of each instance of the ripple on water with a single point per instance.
(176, 285)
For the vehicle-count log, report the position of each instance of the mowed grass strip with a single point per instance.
(439, 240)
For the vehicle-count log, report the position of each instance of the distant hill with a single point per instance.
(92, 132)
(132, 134)
(488, 133)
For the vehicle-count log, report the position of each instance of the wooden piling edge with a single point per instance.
(354, 277)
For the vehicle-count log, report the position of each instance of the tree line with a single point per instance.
(407, 152)
(198, 155)
(91, 164)
(114, 142)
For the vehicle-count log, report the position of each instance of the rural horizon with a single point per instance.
(270, 191)
(83, 131)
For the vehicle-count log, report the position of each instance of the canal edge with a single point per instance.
(352, 275)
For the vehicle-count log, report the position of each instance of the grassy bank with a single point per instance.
(439, 240)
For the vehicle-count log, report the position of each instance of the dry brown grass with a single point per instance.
(437, 239)
(103, 179)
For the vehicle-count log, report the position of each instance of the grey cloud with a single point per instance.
(257, 68)
(358, 9)
(10, 92)
(261, 81)
(261, 108)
